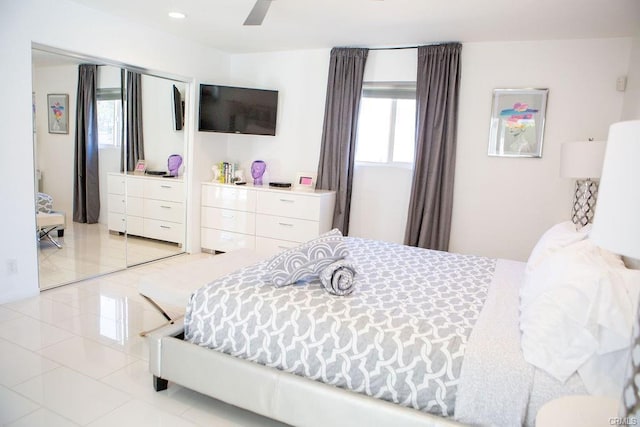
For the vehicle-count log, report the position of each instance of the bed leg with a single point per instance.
(160, 384)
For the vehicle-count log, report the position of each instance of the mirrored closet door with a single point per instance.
(139, 199)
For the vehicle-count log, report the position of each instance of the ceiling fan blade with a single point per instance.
(257, 14)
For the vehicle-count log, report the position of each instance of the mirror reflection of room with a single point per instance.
(100, 219)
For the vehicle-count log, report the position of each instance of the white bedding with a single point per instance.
(497, 386)
(512, 390)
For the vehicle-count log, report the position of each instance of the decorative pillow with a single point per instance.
(45, 203)
(554, 239)
(308, 259)
(576, 314)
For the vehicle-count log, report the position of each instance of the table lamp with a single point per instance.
(616, 227)
(583, 161)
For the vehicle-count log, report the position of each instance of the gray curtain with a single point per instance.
(431, 202)
(133, 150)
(86, 193)
(335, 167)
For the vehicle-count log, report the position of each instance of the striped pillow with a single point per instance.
(308, 259)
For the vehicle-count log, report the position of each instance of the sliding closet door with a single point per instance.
(155, 187)
(69, 251)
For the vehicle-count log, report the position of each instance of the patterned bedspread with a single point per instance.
(400, 336)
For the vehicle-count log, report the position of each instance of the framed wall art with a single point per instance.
(517, 122)
(58, 106)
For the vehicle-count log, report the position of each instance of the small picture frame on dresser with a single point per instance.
(305, 181)
(141, 168)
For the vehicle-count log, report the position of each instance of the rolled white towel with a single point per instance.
(338, 278)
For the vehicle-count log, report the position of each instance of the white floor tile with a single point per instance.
(31, 333)
(7, 314)
(136, 380)
(87, 357)
(71, 294)
(72, 395)
(140, 414)
(206, 411)
(18, 365)
(13, 406)
(44, 309)
(42, 418)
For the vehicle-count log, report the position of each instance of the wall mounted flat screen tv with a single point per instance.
(237, 110)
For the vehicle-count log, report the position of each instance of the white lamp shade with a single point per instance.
(582, 159)
(616, 225)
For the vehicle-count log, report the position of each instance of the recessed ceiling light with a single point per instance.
(177, 15)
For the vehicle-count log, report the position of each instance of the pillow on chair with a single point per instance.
(45, 202)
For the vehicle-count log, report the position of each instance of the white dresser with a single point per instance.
(147, 206)
(262, 218)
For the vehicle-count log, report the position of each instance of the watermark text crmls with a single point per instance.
(623, 421)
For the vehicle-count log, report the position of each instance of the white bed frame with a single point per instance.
(268, 391)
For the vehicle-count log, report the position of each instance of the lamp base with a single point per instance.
(584, 202)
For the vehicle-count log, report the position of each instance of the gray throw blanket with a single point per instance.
(339, 277)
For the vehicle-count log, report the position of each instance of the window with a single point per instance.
(109, 117)
(386, 124)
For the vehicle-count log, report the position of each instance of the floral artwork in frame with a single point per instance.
(517, 122)
(58, 106)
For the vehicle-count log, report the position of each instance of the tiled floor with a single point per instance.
(89, 250)
(73, 356)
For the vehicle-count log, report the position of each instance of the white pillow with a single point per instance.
(554, 239)
(576, 314)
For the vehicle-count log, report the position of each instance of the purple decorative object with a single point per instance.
(257, 170)
(174, 163)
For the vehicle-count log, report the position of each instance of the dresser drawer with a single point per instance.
(163, 210)
(229, 220)
(288, 205)
(135, 187)
(116, 203)
(240, 199)
(171, 191)
(225, 241)
(282, 228)
(135, 225)
(269, 247)
(164, 230)
(117, 222)
(115, 184)
(135, 206)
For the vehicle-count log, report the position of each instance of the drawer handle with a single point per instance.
(285, 224)
(287, 200)
(165, 226)
(284, 247)
(229, 216)
(165, 207)
(165, 186)
(226, 238)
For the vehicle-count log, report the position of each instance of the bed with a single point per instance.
(391, 353)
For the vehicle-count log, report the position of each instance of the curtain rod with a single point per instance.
(410, 47)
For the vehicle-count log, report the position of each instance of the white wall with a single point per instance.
(301, 79)
(160, 137)
(502, 205)
(72, 27)
(55, 152)
(631, 109)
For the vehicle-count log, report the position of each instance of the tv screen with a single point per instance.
(237, 110)
(178, 109)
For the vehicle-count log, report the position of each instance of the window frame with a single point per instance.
(112, 94)
(392, 91)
